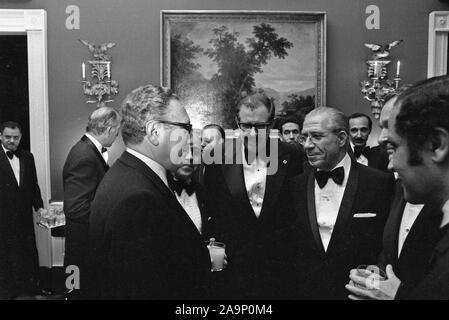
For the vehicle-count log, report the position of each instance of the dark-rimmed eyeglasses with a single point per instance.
(247, 126)
(186, 126)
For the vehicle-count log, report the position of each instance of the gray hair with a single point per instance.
(101, 119)
(141, 105)
(337, 120)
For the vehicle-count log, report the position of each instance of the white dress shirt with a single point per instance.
(15, 165)
(156, 167)
(328, 201)
(445, 210)
(99, 146)
(362, 159)
(255, 176)
(190, 205)
(411, 212)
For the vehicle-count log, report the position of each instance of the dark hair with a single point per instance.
(216, 126)
(11, 125)
(361, 115)
(254, 100)
(423, 108)
(292, 119)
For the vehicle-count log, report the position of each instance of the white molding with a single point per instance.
(438, 43)
(34, 24)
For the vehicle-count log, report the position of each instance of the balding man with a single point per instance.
(341, 208)
(84, 168)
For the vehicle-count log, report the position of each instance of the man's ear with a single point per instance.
(153, 130)
(342, 137)
(440, 145)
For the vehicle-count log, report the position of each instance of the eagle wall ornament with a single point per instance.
(378, 86)
(101, 88)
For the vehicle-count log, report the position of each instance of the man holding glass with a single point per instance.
(341, 208)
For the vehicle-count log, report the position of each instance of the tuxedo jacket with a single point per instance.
(83, 170)
(17, 240)
(253, 261)
(144, 245)
(412, 264)
(435, 284)
(377, 157)
(321, 274)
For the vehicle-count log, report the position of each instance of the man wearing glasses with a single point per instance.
(341, 208)
(247, 201)
(144, 244)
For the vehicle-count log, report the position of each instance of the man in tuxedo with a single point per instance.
(290, 130)
(144, 244)
(360, 126)
(19, 194)
(419, 138)
(247, 201)
(83, 170)
(341, 208)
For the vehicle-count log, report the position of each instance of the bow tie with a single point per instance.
(337, 175)
(177, 186)
(359, 150)
(11, 154)
(103, 150)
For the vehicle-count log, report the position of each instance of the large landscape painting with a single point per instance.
(212, 58)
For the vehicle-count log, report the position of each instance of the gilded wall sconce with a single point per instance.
(101, 88)
(379, 85)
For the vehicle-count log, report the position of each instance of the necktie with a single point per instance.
(337, 175)
(359, 150)
(177, 186)
(103, 150)
(11, 154)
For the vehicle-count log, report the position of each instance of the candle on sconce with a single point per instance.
(398, 66)
(83, 69)
(376, 69)
(109, 71)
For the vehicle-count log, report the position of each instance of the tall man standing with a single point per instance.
(19, 194)
(341, 208)
(83, 170)
(360, 126)
(144, 244)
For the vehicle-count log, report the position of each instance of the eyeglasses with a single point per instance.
(186, 126)
(247, 126)
(314, 137)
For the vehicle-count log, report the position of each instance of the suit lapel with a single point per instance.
(393, 224)
(312, 211)
(22, 170)
(4, 162)
(273, 185)
(236, 184)
(94, 148)
(345, 211)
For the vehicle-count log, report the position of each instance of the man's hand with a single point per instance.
(372, 287)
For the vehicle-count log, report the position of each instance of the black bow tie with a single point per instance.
(337, 175)
(11, 154)
(177, 186)
(103, 150)
(359, 150)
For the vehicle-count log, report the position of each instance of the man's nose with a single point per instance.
(308, 144)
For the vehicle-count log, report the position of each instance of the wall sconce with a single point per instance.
(378, 86)
(101, 88)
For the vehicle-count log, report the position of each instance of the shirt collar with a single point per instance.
(5, 150)
(445, 210)
(156, 167)
(94, 141)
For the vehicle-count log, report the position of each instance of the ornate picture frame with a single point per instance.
(212, 58)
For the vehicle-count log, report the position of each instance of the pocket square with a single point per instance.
(364, 215)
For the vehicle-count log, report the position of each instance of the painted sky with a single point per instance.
(296, 72)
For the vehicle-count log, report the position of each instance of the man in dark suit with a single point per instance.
(419, 138)
(360, 126)
(83, 170)
(247, 201)
(19, 194)
(144, 244)
(341, 209)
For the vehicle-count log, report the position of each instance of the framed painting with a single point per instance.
(211, 59)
